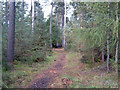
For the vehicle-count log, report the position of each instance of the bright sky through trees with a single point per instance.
(46, 6)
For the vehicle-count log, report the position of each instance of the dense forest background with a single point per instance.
(93, 30)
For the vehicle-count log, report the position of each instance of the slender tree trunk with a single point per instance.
(38, 4)
(38, 10)
(117, 48)
(23, 8)
(81, 17)
(108, 37)
(64, 25)
(118, 38)
(32, 16)
(116, 56)
(103, 58)
(23, 4)
(11, 34)
(108, 52)
(59, 19)
(8, 11)
(51, 26)
(6, 20)
(57, 43)
(63, 18)
(22, 21)
(93, 56)
(1, 29)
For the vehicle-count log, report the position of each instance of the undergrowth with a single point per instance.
(23, 72)
(85, 75)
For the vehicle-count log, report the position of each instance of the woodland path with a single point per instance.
(82, 76)
(47, 78)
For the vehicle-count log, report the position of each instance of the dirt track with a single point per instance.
(47, 78)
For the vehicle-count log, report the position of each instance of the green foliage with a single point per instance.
(24, 72)
(88, 33)
(29, 46)
(56, 32)
(5, 66)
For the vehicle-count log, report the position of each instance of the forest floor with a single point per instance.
(49, 76)
(62, 69)
(70, 72)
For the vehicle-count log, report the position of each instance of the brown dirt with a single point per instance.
(52, 77)
(47, 78)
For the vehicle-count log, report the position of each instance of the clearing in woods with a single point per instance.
(69, 72)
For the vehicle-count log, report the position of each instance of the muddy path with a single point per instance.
(47, 78)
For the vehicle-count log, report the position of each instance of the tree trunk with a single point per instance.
(6, 22)
(119, 30)
(23, 8)
(108, 37)
(116, 56)
(64, 25)
(38, 11)
(38, 4)
(93, 56)
(51, 26)
(117, 48)
(32, 16)
(59, 19)
(108, 52)
(23, 4)
(57, 44)
(119, 38)
(103, 58)
(1, 29)
(11, 34)
(8, 11)
(63, 18)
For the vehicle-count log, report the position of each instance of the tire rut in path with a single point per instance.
(47, 78)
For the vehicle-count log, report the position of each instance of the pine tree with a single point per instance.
(11, 35)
